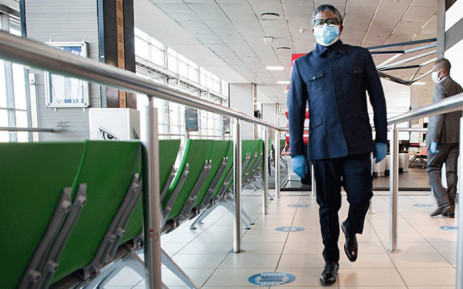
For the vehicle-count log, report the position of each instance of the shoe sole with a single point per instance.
(324, 283)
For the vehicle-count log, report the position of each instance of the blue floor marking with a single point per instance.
(449, 228)
(271, 278)
(298, 206)
(289, 229)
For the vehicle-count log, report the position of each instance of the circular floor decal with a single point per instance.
(449, 228)
(271, 278)
(298, 206)
(289, 229)
(423, 205)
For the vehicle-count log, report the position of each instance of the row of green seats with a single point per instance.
(205, 174)
(34, 176)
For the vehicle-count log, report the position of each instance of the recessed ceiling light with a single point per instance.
(283, 81)
(419, 83)
(268, 39)
(270, 16)
(275, 68)
(283, 48)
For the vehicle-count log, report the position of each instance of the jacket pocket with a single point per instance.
(315, 75)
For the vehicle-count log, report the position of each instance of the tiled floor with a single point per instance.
(427, 257)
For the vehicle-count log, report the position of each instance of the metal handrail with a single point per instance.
(36, 54)
(447, 105)
(29, 129)
(450, 104)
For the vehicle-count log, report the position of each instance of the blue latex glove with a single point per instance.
(433, 147)
(300, 166)
(380, 151)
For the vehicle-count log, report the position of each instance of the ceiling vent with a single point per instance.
(270, 16)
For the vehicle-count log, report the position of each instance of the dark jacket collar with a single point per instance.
(338, 47)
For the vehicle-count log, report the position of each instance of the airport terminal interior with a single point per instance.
(122, 123)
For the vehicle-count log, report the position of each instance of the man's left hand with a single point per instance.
(380, 151)
(433, 147)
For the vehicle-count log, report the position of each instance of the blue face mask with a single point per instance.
(326, 34)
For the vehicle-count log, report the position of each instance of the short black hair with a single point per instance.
(444, 63)
(327, 7)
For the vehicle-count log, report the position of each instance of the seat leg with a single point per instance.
(202, 216)
(243, 212)
(172, 266)
(108, 277)
(231, 208)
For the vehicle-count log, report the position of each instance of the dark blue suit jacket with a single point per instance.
(333, 81)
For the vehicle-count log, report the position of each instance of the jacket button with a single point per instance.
(313, 77)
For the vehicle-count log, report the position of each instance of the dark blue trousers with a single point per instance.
(354, 174)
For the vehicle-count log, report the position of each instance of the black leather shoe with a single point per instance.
(351, 245)
(448, 214)
(440, 210)
(328, 276)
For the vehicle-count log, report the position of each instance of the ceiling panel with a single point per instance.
(232, 31)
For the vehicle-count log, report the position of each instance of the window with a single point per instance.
(13, 86)
(184, 75)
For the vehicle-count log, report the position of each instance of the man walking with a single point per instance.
(332, 80)
(442, 138)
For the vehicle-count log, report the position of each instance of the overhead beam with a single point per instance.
(403, 43)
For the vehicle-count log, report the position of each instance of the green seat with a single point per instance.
(32, 184)
(228, 170)
(196, 154)
(257, 149)
(168, 151)
(32, 177)
(108, 168)
(219, 151)
(282, 145)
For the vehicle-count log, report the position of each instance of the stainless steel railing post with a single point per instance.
(277, 163)
(460, 214)
(265, 172)
(313, 183)
(151, 202)
(237, 185)
(393, 187)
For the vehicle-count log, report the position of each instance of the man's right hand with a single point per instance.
(300, 166)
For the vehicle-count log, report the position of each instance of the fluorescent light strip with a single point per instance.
(275, 68)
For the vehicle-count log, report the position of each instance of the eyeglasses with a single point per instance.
(329, 21)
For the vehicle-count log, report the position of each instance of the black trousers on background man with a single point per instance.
(354, 174)
(448, 154)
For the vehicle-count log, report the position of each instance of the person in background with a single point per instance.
(333, 80)
(442, 138)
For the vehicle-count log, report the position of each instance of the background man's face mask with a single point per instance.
(435, 76)
(327, 34)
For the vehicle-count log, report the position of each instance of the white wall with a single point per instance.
(269, 112)
(453, 16)
(241, 100)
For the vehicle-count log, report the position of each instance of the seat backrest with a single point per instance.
(424, 151)
(195, 154)
(227, 169)
(168, 151)
(219, 151)
(253, 149)
(32, 177)
(107, 168)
